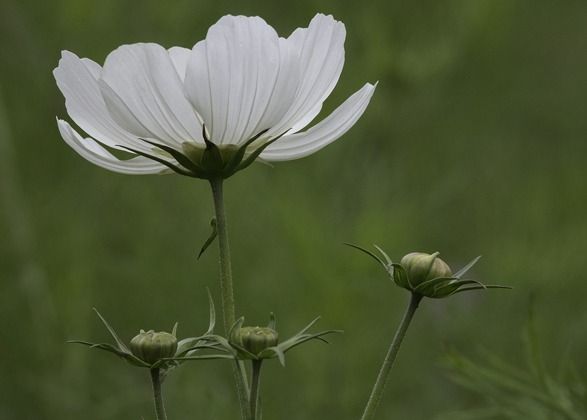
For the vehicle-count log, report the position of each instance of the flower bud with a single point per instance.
(256, 339)
(421, 267)
(151, 346)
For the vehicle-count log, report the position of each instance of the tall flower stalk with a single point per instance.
(226, 286)
(227, 289)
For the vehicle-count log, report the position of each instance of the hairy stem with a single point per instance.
(226, 288)
(379, 387)
(157, 396)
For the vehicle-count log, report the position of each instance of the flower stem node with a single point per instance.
(151, 346)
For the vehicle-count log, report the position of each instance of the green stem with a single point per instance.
(226, 288)
(157, 397)
(379, 387)
(255, 385)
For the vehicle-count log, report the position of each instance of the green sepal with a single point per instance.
(484, 287)
(182, 159)
(400, 277)
(209, 161)
(162, 161)
(255, 154)
(278, 351)
(235, 161)
(429, 287)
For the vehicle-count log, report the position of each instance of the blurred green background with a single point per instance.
(474, 143)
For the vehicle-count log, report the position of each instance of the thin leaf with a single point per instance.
(201, 357)
(387, 259)
(272, 321)
(366, 251)
(119, 342)
(487, 286)
(310, 325)
(212, 323)
(466, 268)
(210, 239)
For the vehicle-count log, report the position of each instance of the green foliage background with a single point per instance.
(474, 143)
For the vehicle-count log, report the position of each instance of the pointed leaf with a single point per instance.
(210, 239)
(235, 327)
(366, 251)
(280, 355)
(212, 323)
(310, 325)
(487, 286)
(387, 259)
(272, 321)
(119, 342)
(201, 357)
(466, 268)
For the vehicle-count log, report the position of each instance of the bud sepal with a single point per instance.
(259, 343)
(161, 350)
(427, 275)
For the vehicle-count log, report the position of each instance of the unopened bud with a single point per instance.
(257, 339)
(151, 346)
(421, 267)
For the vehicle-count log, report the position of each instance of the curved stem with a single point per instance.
(157, 396)
(226, 288)
(400, 333)
(255, 386)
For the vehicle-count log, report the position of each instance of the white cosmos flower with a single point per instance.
(242, 93)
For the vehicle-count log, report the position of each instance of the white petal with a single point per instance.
(241, 78)
(91, 150)
(144, 94)
(180, 57)
(307, 119)
(321, 53)
(298, 145)
(77, 80)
